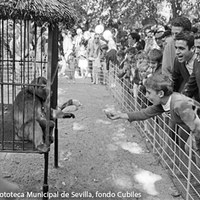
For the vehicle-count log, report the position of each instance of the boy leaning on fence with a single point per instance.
(183, 109)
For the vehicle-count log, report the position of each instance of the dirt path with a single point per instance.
(106, 158)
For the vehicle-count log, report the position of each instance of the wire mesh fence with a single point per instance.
(165, 139)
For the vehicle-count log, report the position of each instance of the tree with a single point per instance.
(129, 12)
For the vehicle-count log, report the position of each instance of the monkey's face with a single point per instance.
(40, 88)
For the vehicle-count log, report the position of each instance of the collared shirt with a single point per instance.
(166, 106)
(111, 45)
(190, 63)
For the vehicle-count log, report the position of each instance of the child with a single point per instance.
(129, 60)
(103, 71)
(135, 71)
(155, 61)
(183, 110)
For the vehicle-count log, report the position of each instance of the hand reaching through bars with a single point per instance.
(113, 115)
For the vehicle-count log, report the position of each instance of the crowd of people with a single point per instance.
(166, 71)
(157, 51)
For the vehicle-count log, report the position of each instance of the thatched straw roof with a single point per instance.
(52, 11)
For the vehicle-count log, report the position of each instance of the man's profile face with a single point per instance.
(153, 96)
(175, 30)
(183, 52)
(197, 47)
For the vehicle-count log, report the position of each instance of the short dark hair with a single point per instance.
(167, 33)
(183, 22)
(121, 53)
(104, 47)
(186, 36)
(135, 36)
(194, 29)
(155, 55)
(160, 82)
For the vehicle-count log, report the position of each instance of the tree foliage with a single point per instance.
(130, 13)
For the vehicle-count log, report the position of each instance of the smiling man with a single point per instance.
(192, 88)
(183, 64)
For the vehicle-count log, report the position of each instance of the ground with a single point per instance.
(108, 159)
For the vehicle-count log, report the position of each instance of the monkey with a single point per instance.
(29, 109)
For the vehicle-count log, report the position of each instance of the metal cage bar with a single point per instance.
(28, 52)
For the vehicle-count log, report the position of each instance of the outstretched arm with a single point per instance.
(143, 114)
(114, 116)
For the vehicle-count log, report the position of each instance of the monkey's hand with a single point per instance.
(68, 115)
(70, 102)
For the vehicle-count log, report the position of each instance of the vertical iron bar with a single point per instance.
(45, 184)
(189, 166)
(28, 49)
(154, 133)
(24, 53)
(2, 71)
(23, 73)
(7, 63)
(54, 49)
(14, 76)
(175, 148)
(21, 51)
(35, 51)
(41, 46)
(34, 75)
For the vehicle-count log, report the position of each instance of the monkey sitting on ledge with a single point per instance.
(30, 120)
